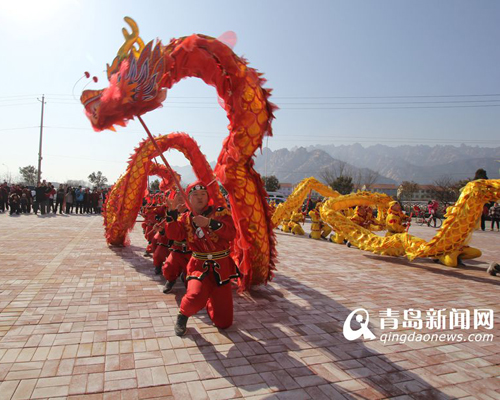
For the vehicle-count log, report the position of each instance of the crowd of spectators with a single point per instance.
(491, 211)
(46, 199)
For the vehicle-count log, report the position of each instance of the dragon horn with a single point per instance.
(130, 39)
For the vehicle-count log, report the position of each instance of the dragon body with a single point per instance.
(139, 78)
(450, 242)
(125, 198)
(448, 245)
(294, 202)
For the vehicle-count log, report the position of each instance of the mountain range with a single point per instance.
(422, 163)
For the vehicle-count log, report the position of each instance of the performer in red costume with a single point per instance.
(177, 261)
(211, 268)
(158, 215)
(149, 215)
(162, 249)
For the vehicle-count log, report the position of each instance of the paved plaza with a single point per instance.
(82, 320)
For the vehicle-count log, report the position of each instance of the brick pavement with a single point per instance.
(80, 320)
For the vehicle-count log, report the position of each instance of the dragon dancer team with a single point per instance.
(195, 244)
(396, 221)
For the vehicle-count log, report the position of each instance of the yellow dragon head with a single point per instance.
(135, 83)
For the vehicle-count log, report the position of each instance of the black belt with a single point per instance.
(181, 251)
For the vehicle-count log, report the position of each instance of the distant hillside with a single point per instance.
(422, 164)
(293, 166)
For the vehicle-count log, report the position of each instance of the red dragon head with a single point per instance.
(135, 83)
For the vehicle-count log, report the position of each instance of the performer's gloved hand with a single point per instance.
(177, 203)
(201, 221)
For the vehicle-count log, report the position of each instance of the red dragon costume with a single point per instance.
(139, 78)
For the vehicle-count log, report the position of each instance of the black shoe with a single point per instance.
(348, 244)
(168, 287)
(157, 270)
(493, 269)
(146, 254)
(180, 326)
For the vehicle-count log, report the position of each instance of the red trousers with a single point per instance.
(150, 233)
(160, 255)
(176, 264)
(217, 299)
(151, 247)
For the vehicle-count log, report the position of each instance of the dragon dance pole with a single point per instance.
(307, 206)
(174, 178)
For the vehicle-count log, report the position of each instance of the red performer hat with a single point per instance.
(198, 185)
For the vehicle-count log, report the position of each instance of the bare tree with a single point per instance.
(328, 175)
(446, 190)
(369, 178)
(342, 169)
(339, 177)
(407, 190)
(335, 170)
(357, 180)
(7, 177)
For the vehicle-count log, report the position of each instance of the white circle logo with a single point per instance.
(351, 334)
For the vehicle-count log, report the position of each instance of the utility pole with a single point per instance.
(40, 148)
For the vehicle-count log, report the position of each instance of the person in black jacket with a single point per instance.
(4, 197)
(59, 199)
(41, 198)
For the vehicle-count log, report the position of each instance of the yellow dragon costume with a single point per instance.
(319, 230)
(449, 243)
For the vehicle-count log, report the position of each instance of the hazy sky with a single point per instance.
(390, 72)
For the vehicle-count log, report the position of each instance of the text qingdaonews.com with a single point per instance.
(435, 337)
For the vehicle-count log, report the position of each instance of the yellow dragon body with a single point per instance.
(450, 242)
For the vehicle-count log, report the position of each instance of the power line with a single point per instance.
(86, 158)
(307, 137)
(335, 103)
(341, 97)
(399, 102)
(20, 128)
(20, 104)
(168, 105)
(388, 97)
(69, 96)
(18, 96)
(383, 140)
